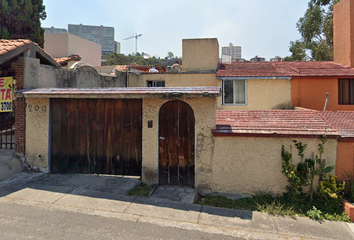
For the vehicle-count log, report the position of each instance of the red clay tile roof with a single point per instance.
(283, 69)
(343, 121)
(63, 60)
(18, 46)
(9, 45)
(140, 68)
(272, 123)
(131, 92)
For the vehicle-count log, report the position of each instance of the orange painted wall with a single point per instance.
(343, 29)
(345, 159)
(310, 93)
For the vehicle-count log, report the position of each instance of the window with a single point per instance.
(346, 91)
(234, 92)
(155, 83)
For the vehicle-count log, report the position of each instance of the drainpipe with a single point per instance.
(326, 103)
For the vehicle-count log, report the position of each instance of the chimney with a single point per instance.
(201, 54)
(343, 32)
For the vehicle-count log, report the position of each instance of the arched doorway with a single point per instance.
(176, 144)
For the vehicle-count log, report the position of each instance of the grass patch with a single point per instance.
(141, 190)
(285, 205)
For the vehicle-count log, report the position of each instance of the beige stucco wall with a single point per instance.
(200, 54)
(263, 94)
(105, 69)
(57, 44)
(37, 132)
(66, 44)
(82, 76)
(343, 29)
(251, 164)
(204, 112)
(174, 79)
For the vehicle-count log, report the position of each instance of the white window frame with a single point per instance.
(223, 93)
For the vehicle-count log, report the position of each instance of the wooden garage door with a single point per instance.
(176, 140)
(96, 136)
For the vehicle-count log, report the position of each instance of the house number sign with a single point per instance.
(36, 108)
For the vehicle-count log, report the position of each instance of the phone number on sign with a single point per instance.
(6, 106)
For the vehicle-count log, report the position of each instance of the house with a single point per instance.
(343, 121)
(32, 67)
(163, 135)
(167, 135)
(216, 127)
(17, 58)
(247, 147)
(301, 84)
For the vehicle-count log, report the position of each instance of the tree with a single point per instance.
(169, 55)
(20, 19)
(120, 59)
(316, 29)
(298, 51)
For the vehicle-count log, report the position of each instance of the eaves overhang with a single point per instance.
(28, 50)
(256, 77)
(120, 93)
(218, 133)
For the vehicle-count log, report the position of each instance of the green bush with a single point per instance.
(330, 194)
(315, 213)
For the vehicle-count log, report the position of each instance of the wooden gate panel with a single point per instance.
(56, 134)
(163, 146)
(108, 123)
(127, 125)
(100, 116)
(96, 136)
(190, 146)
(91, 132)
(176, 139)
(136, 144)
(118, 138)
(183, 160)
(174, 143)
(82, 137)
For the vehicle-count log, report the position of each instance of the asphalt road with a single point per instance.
(27, 222)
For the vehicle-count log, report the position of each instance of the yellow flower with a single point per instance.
(334, 195)
(292, 172)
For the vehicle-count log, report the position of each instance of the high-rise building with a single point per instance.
(257, 59)
(233, 51)
(98, 34)
(117, 47)
(54, 30)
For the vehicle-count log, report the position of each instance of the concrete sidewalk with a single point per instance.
(105, 196)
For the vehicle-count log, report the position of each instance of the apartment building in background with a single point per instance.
(257, 59)
(98, 34)
(54, 30)
(117, 47)
(233, 51)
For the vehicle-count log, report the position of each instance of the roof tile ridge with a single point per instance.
(320, 114)
(342, 65)
(295, 70)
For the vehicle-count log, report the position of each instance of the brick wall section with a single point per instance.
(19, 107)
(20, 124)
(349, 209)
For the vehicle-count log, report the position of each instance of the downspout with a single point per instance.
(326, 102)
(127, 81)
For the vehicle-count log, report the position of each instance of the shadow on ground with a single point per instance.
(39, 186)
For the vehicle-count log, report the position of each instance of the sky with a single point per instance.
(261, 27)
